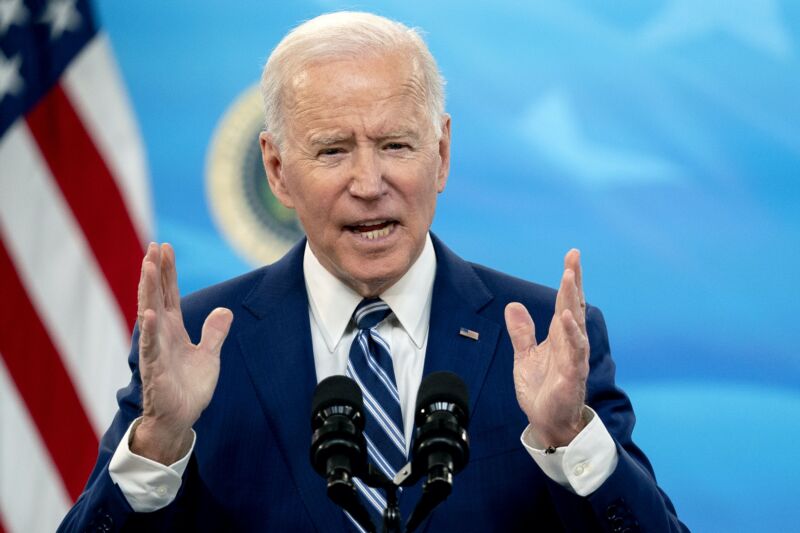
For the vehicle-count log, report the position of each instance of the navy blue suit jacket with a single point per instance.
(250, 470)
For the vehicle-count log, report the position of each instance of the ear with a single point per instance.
(271, 157)
(444, 154)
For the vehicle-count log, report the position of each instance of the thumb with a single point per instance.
(520, 328)
(215, 329)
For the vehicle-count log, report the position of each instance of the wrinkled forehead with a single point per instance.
(367, 80)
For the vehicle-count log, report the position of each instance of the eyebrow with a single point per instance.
(396, 134)
(327, 139)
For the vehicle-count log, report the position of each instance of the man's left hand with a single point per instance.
(550, 378)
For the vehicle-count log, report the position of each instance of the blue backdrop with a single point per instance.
(661, 137)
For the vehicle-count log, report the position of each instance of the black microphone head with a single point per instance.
(338, 447)
(337, 390)
(443, 387)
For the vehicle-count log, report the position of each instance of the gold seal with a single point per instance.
(248, 215)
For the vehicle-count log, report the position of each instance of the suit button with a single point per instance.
(102, 522)
(106, 523)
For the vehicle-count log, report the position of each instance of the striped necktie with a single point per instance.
(370, 365)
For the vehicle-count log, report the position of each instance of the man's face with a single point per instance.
(362, 164)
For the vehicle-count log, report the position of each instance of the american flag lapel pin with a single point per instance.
(468, 333)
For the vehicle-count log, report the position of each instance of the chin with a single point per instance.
(375, 277)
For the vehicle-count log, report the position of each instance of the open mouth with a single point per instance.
(373, 229)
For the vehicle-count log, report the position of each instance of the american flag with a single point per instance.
(74, 214)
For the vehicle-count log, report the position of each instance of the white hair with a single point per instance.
(344, 34)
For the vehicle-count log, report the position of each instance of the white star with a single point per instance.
(11, 12)
(10, 80)
(757, 23)
(62, 16)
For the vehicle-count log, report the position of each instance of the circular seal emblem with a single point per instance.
(249, 216)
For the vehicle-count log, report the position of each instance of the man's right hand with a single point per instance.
(178, 377)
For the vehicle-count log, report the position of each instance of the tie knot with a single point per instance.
(370, 312)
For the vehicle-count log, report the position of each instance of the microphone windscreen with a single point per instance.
(443, 387)
(337, 390)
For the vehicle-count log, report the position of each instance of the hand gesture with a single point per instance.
(550, 378)
(178, 377)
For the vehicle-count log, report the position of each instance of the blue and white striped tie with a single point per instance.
(370, 365)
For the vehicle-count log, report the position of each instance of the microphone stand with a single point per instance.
(338, 448)
(391, 515)
(435, 490)
(342, 492)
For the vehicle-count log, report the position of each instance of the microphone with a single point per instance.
(338, 448)
(441, 443)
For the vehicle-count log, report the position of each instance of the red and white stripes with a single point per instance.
(74, 214)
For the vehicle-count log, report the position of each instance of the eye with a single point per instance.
(394, 146)
(330, 151)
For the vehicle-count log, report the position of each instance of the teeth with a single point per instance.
(377, 233)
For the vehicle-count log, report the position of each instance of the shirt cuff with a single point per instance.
(584, 464)
(146, 484)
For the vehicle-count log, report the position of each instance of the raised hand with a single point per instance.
(178, 377)
(550, 378)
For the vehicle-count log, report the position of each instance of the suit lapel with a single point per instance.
(458, 296)
(279, 356)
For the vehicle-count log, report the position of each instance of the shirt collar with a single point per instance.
(332, 302)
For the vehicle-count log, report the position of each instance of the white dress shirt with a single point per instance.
(332, 303)
(580, 467)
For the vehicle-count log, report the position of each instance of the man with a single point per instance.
(213, 433)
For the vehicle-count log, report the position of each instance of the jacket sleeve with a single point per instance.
(102, 505)
(629, 500)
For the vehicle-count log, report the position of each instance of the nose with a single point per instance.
(366, 181)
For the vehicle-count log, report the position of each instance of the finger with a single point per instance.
(520, 328)
(215, 329)
(169, 278)
(574, 338)
(148, 333)
(150, 295)
(158, 262)
(140, 290)
(572, 300)
(572, 261)
(567, 297)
